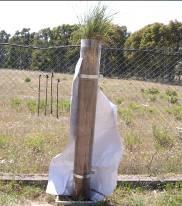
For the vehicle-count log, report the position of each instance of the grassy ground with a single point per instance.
(13, 194)
(149, 115)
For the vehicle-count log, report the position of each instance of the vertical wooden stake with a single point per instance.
(87, 97)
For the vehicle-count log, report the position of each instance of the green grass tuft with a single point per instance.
(162, 138)
(64, 106)
(16, 103)
(126, 114)
(96, 24)
(131, 140)
(171, 92)
(176, 110)
(35, 143)
(4, 141)
(32, 105)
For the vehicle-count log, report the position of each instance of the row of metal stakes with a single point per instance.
(46, 95)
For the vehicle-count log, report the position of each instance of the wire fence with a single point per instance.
(144, 84)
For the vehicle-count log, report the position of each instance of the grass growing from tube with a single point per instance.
(96, 24)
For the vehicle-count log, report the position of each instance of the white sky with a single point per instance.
(15, 15)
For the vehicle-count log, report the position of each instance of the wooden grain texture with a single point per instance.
(87, 97)
(121, 178)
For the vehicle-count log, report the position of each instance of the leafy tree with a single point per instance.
(158, 64)
(4, 38)
(52, 59)
(18, 57)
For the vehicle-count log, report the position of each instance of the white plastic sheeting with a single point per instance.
(107, 150)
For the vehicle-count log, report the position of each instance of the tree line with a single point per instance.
(159, 45)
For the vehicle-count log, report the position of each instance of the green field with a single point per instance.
(149, 118)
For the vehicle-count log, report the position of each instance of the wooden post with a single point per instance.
(87, 96)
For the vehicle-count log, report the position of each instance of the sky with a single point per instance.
(15, 15)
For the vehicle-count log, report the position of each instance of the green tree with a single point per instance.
(4, 38)
(158, 37)
(18, 57)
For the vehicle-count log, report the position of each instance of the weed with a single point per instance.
(151, 91)
(32, 105)
(170, 200)
(31, 191)
(134, 106)
(173, 99)
(136, 201)
(162, 138)
(119, 101)
(27, 79)
(36, 143)
(4, 141)
(64, 106)
(16, 103)
(170, 92)
(151, 110)
(152, 98)
(176, 110)
(131, 140)
(126, 114)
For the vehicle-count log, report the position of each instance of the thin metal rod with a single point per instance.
(57, 108)
(47, 77)
(51, 93)
(38, 106)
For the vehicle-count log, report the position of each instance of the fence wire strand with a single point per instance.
(144, 84)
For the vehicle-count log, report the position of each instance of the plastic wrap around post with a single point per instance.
(90, 53)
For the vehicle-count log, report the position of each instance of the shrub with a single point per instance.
(172, 96)
(162, 138)
(27, 79)
(170, 92)
(152, 91)
(119, 101)
(173, 99)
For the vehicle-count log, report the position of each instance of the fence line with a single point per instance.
(145, 84)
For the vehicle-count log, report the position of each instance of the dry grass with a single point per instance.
(146, 118)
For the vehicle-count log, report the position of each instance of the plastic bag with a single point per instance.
(107, 150)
